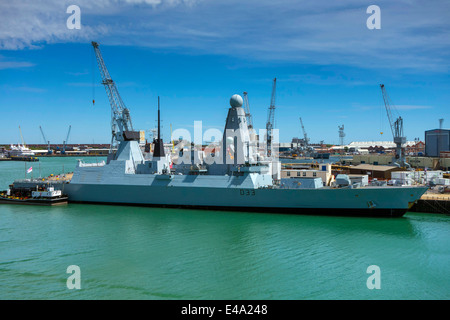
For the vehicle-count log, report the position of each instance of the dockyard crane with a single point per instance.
(397, 131)
(63, 151)
(49, 150)
(247, 112)
(21, 137)
(305, 136)
(271, 119)
(121, 126)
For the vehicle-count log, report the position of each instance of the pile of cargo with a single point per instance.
(418, 177)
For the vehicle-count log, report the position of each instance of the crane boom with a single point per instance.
(43, 135)
(271, 119)
(49, 151)
(396, 129)
(21, 137)
(388, 108)
(121, 126)
(305, 137)
(65, 141)
(247, 111)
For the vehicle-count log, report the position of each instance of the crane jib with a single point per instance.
(121, 125)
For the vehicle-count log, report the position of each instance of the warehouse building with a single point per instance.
(324, 173)
(374, 171)
(436, 141)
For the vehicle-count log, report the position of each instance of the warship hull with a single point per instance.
(202, 192)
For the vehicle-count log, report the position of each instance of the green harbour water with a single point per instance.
(154, 253)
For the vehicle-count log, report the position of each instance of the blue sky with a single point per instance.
(195, 54)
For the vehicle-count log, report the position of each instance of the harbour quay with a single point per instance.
(433, 203)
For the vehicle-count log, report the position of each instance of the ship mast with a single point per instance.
(121, 126)
(159, 145)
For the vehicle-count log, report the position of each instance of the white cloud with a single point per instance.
(157, 2)
(8, 64)
(14, 64)
(394, 107)
(22, 89)
(29, 24)
(153, 2)
(413, 35)
(412, 107)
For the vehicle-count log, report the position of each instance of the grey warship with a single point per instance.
(238, 178)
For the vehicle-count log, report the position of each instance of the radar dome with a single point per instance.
(236, 101)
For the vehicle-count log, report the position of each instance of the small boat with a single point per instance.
(45, 196)
(24, 158)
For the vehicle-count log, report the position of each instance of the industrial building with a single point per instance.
(365, 147)
(437, 141)
(442, 163)
(324, 173)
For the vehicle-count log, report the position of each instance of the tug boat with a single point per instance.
(46, 196)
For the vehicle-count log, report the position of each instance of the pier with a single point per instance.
(433, 203)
